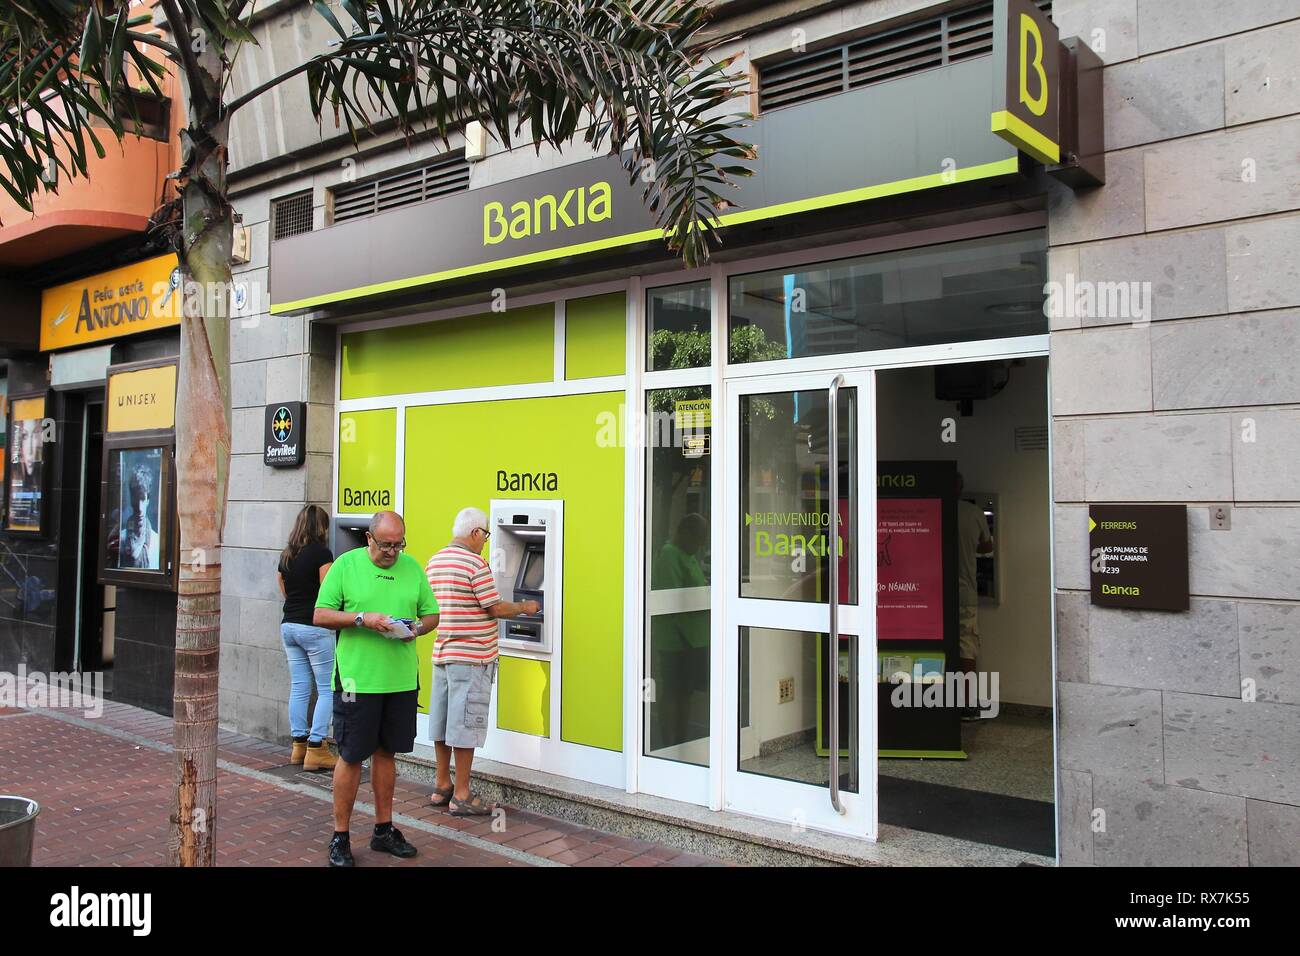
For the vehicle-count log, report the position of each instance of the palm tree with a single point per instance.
(637, 77)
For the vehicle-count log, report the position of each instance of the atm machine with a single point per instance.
(527, 564)
(349, 533)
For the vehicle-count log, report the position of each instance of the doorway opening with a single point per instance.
(95, 602)
(964, 628)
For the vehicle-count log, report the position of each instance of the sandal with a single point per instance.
(441, 796)
(473, 807)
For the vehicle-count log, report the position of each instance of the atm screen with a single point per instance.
(534, 574)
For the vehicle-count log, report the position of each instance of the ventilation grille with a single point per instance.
(291, 216)
(410, 186)
(961, 35)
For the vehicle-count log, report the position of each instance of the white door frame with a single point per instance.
(799, 804)
(646, 773)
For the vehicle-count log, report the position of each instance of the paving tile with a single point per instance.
(105, 803)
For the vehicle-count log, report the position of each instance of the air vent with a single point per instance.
(291, 215)
(441, 178)
(938, 41)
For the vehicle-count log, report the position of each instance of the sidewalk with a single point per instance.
(104, 786)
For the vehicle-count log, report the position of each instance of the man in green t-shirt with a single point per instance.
(379, 601)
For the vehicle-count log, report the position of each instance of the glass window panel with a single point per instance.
(956, 292)
(677, 327)
(784, 488)
(678, 559)
(788, 737)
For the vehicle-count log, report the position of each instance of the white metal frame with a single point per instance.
(631, 769)
(798, 804)
(674, 779)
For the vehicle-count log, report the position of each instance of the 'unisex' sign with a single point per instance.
(1138, 556)
(283, 441)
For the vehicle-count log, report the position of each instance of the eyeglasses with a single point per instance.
(486, 532)
(387, 546)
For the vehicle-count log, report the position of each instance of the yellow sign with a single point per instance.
(135, 298)
(694, 415)
(142, 399)
(29, 409)
(31, 434)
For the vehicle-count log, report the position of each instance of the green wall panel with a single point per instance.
(453, 456)
(367, 460)
(595, 336)
(524, 696)
(495, 348)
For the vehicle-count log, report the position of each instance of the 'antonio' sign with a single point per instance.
(283, 443)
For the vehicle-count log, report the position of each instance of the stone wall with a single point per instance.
(1163, 757)
(273, 359)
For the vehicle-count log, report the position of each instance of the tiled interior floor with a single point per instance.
(1010, 754)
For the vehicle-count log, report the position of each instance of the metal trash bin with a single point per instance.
(17, 830)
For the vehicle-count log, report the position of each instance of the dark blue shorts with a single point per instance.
(364, 723)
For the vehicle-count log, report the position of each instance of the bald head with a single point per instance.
(386, 538)
(387, 521)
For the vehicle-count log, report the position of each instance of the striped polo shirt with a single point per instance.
(463, 585)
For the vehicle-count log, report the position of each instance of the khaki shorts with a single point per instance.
(459, 702)
(968, 631)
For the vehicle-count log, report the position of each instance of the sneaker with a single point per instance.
(392, 842)
(341, 850)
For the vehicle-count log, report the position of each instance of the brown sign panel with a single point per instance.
(1027, 79)
(1138, 556)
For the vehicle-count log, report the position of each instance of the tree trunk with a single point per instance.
(202, 469)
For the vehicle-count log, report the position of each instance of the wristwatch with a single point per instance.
(356, 621)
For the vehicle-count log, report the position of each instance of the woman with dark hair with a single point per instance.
(310, 649)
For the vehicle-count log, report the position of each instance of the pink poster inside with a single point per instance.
(909, 569)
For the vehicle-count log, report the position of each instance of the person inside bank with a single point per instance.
(680, 651)
(973, 542)
(379, 601)
(464, 658)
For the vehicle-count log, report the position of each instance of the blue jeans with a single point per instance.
(311, 656)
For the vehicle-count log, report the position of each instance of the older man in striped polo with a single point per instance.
(464, 657)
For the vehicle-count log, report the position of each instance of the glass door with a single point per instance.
(799, 689)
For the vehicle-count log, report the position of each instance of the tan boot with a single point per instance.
(319, 757)
(299, 751)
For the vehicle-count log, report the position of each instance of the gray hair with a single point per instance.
(467, 521)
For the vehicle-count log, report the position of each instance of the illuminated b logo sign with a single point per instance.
(1027, 68)
(1029, 29)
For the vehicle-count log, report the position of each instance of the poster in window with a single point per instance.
(909, 569)
(27, 465)
(137, 490)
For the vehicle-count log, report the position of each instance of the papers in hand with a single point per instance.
(399, 630)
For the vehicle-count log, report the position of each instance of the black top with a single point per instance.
(302, 582)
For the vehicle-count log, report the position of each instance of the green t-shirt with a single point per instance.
(365, 661)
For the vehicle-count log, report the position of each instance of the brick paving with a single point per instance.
(104, 788)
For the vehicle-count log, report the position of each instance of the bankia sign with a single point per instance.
(925, 131)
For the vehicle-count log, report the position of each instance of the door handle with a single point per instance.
(833, 539)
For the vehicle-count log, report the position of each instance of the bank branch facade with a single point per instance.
(663, 454)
